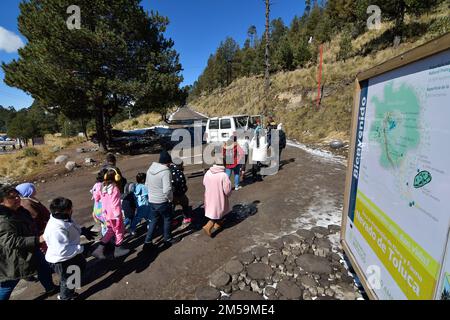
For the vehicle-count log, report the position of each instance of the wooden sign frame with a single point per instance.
(428, 49)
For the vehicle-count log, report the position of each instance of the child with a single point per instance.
(62, 236)
(142, 206)
(180, 188)
(97, 212)
(129, 204)
(109, 195)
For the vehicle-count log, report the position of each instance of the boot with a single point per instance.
(216, 227)
(99, 252)
(119, 251)
(207, 227)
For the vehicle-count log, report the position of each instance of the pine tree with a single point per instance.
(345, 46)
(118, 56)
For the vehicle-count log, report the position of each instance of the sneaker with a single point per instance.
(187, 220)
(237, 188)
(73, 296)
(120, 251)
(148, 246)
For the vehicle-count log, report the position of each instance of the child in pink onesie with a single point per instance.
(109, 195)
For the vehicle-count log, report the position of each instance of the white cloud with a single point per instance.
(9, 41)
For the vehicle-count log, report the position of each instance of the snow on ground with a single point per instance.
(323, 154)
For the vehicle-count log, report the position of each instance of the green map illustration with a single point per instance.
(396, 124)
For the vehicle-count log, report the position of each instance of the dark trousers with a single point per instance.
(159, 210)
(66, 291)
(183, 201)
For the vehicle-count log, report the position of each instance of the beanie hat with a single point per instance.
(26, 189)
(164, 157)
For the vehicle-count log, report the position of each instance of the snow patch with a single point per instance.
(324, 154)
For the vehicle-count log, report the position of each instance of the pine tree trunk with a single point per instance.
(266, 54)
(100, 128)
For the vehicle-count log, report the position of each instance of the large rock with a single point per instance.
(260, 252)
(320, 232)
(336, 144)
(80, 150)
(289, 290)
(322, 247)
(220, 279)
(290, 239)
(207, 293)
(70, 165)
(234, 267)
(245, 295)
(308, 281)
(305, 235)
(334, 228)
(314, 264)
(246, 257)
(61, 159)
(277, 258)
(277, 244)
(259, 271)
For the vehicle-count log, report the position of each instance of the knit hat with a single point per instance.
(164, 157)
(26, 189)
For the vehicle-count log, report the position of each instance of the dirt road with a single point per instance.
(308, 191)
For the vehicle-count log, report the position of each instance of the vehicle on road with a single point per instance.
(221, 129)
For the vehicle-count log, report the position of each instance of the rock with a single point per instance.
(234, 278)
(289, 289)
(320, 291)
(272, 297)
(335, 257)
(346, 278)
(254, 285)
(246, 257)
(320, 232)
(70, 165)
(313, 291)
(329, 292)
(260, 252)
(313, 264)
(247, 281)
(269, 291)
(336, 144)
(259, 271)
(277, 244)
(276, 278)
(265, 260)
(334, 228)
(61, 159)
(307, 281)
(43, 181)
(241, 285)
(233, 267)
(234, 287)
(89, 161)
(277, 258)
(245, 295)
(227, 289)
(207, 293)
(323, 247)
(307, 295)
(56, 149)
(220, 279)
(305, 235)
(290, 239)
(80, 150)
(297, 252)
(286, 251)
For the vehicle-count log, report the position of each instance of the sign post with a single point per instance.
(396, 215)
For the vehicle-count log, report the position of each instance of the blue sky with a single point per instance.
(196, 26)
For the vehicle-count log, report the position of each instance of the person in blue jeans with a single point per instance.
(233, 156)
(19, 246)
(142, 205)
(159, 185)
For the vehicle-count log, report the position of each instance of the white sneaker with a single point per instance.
(237, 188)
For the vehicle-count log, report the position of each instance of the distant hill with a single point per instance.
(292, 96)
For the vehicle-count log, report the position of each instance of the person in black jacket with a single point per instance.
(180, 188)
(20, 257)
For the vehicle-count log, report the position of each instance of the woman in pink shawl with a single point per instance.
(217, 191)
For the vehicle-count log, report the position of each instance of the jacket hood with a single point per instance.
(156, 168)
(217, 169)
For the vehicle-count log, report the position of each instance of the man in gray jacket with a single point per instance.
(159, 184)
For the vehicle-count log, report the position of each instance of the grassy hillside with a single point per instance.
(292, 96)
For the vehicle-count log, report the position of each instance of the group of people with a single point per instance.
(37, 241)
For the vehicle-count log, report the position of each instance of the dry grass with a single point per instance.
(145, 120)
(31, 160)
(292, 95)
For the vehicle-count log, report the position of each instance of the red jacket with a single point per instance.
(237, 155)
